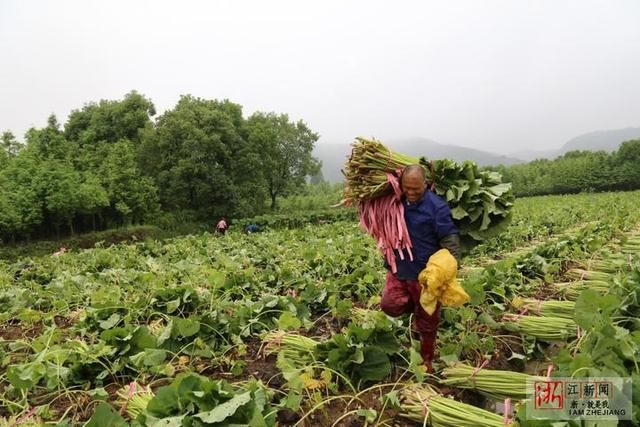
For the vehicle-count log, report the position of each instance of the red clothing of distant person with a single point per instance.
(222, 226)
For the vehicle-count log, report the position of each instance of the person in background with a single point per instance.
(222, 226)
(251, 228)
(431, 228)
(60, 252)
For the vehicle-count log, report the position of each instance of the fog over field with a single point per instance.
(499, 76)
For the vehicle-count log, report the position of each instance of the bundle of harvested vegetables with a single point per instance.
(383, 218)
(366, 171)
(134, 399)
(297, 359)
(580, 274)
(423, 404)
(611, 264)
(298, 349)
(480, 202)
(571, 290)
(552, 308)
(631, 246)
(544, 328)
(495, 384)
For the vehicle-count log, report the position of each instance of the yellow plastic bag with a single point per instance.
(439, 283)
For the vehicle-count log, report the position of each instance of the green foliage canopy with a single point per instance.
(112, 164)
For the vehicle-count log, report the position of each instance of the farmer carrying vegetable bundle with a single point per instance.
(430, 228)
(417, 231)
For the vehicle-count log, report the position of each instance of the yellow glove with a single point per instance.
(439, 282)
(454, 296)
(428, 302)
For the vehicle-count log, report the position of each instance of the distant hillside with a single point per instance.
(529, 155)
(333, 156)
(607, 140)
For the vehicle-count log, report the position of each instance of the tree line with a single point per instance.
(577, 171)
(113, 163)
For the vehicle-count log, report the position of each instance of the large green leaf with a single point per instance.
(288, 320)
(112, 321)
(185, 327)
(375, 365)
(166, 333)
(142, 339)
(225, 410)
(593, 309)
(500, 189)
(165, 403)
(458, 212)
(149, 357)
(165, 422)
(106, 416)
(27, 375)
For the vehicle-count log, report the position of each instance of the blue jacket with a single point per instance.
(252, 228)
(428, 221)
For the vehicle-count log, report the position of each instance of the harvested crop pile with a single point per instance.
(480, 202)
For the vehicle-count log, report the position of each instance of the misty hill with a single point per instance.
(333, 156)
(607, 140)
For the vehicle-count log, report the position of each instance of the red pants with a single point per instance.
(403, 297)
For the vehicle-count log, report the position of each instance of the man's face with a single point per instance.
(413, 187)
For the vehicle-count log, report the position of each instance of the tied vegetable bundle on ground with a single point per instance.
(423, 404)
(544, 328)
(480, 202)
(494, 384)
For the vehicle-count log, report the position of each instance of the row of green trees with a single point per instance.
(578, 171)
(113, 164)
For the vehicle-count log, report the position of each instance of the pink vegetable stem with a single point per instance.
(383, 218)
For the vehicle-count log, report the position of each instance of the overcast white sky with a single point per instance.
(496, 75)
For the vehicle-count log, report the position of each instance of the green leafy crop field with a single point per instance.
(283, 327)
